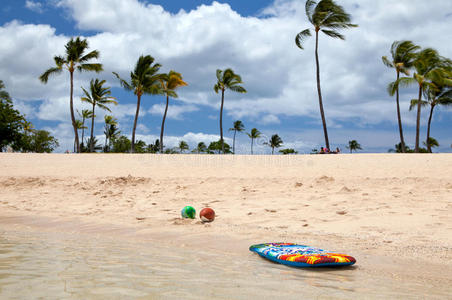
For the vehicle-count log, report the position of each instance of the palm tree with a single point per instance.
(111, 131)
(227, 79)
(75, 59)
(201, 148)
(254, 134)
(353, 145)
(78, 125)
(3, 94)
(430, 71)
(238, 127)
(86, 114)
(403, 54)
(328, 17)
(145, 79)
(441, 95)
(431, 143)
(183, 146)
(274, 142)
(170, 82)
(97, 96)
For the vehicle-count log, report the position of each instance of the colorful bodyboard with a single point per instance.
(301, 256)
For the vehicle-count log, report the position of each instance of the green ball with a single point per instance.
(188, 212)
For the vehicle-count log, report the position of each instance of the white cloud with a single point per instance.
(34, 6)
(279, 77)
(174, 111)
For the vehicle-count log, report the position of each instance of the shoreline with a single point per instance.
(392, 212)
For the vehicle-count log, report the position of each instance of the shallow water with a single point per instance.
(57, 266)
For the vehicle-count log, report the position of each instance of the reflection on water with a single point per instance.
(55, 266)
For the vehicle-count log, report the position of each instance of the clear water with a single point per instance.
(58, 266)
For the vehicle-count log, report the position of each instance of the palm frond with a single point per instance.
(52, 71)
(123, 83)
(237, 89)
(216, 88)
(90, 67)
(301, 37)
(91, 55)
(333, 34)
(414, 103)
(387, 62)
(309, 9)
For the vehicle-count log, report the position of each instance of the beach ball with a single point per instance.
(188, 212)
(207, 214)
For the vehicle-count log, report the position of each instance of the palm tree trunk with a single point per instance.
(135, 123)
(322, 113)
(252, 141)
(233, 142)
(273, 150)
(72, 113)
(163, 124)
(221, 121)
(418, 119)
(83, 131)
(402, 141)
(91, 142)
(429, 148)
(106, 140)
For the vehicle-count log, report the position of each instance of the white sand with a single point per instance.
(393, 212)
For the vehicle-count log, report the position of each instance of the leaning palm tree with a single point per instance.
(86, 114)
(431, 143)
(254, 134)
(145, 79)
(431, 70)
(227, 79)
(328, 17)
(238, 127)
(75, 59)
(441, 95)
(274, 142)
(403, 54)
(353, 145)
(98, 95)
(170, 82)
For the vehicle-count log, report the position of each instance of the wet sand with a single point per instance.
(392, 212)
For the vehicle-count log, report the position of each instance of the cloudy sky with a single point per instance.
(255, 38)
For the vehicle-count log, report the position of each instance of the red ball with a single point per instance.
(207, 214)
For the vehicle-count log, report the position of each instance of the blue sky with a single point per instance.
(255, 38)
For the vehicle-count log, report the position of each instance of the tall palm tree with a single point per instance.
(353, 145)
(254, 134)
(238, 127)
(98, 95)
(110, 131)
(442, 95)
(430, 71)
(201, 148)
(403, 54)
(74, 59)
(328, 17)
(274, 142)
(86, 114)
(144, 79)
(170, 82)
(226, 79)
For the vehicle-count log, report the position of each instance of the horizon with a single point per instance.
(197, 38)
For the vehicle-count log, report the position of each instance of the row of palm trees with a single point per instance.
(144, 79)
(432, 73)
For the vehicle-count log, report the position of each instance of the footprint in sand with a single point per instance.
(271, 210)
(341, 212)
(298, 184)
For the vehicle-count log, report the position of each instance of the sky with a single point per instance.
(255, 39)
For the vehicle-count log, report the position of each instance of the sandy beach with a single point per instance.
(392, 212)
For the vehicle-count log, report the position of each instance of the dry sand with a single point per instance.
(393, 212)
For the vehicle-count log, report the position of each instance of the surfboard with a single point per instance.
(301, 256)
